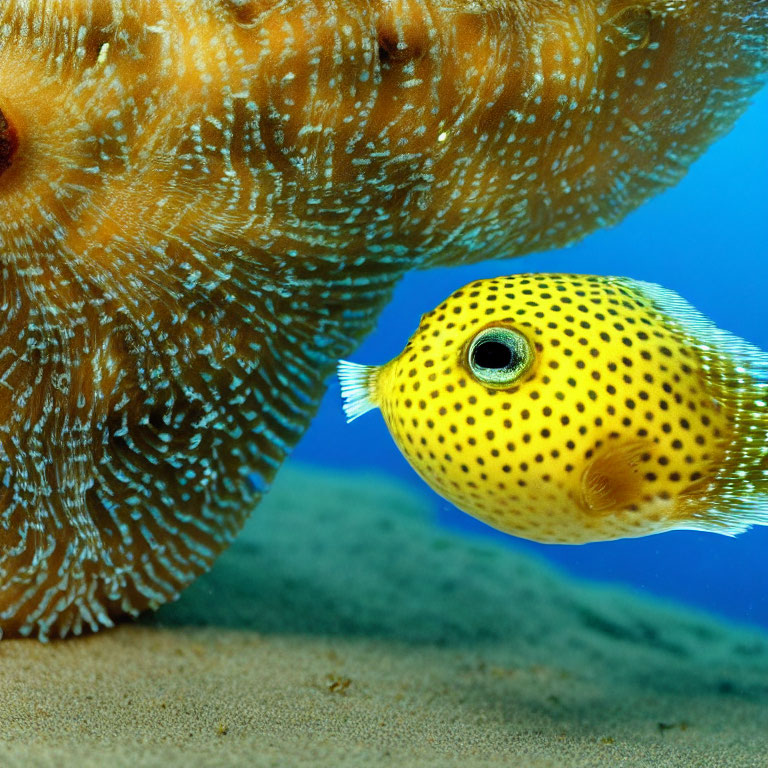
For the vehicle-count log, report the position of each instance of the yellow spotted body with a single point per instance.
(633, 414)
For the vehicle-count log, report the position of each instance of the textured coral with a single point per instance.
(205, 203)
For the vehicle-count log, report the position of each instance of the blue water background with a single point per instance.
(707, 239)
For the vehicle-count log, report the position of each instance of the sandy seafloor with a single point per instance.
(343, 628)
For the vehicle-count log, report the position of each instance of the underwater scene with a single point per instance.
(383, 383)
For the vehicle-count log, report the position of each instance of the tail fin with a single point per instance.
(358, 388)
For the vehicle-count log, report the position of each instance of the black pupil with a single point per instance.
(494, 355)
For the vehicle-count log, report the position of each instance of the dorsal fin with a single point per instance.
(709, 338)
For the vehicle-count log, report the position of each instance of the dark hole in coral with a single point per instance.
(632, 27)
(390, 51)
(156, 420)
(248, 12)
(386, 49)
(9, 143)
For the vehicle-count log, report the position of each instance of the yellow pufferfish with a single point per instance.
(577, 408)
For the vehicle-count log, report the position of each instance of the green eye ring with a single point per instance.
(497, 356)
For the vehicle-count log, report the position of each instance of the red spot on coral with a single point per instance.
(9, 143)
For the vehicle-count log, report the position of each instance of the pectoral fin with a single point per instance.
(612, 478)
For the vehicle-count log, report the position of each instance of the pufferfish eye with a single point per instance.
(498, 356)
